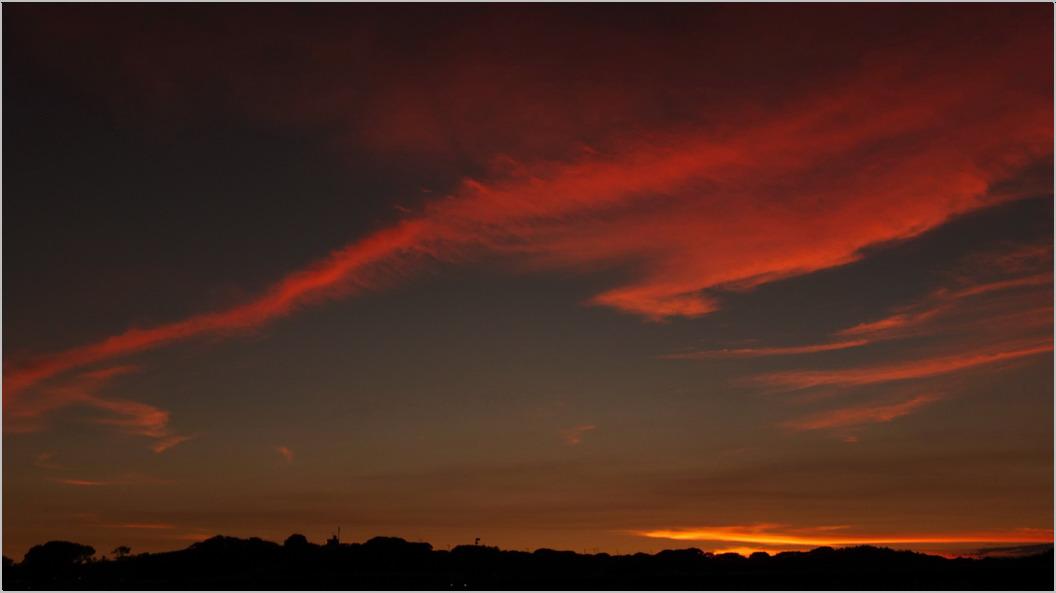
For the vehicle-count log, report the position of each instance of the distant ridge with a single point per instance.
(1005, 551)
(393, 563)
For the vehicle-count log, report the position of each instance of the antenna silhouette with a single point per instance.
(335, 539)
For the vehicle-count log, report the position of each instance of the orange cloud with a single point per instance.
(192, 537)
(746, 550)
(46, 460)
(285, 453)
(574, 436)
(858, 415)
(150, 526)
(127, 480)
(76, 482)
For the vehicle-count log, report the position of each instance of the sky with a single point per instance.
(735, 277)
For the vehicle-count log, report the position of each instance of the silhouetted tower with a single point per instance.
(335, 539)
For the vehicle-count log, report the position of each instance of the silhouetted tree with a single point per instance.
(121, 551)
(57, 557)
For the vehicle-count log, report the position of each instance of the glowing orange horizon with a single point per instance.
(750, 535)
(746, 550)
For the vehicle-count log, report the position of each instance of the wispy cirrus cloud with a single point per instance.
(285, 453)
(996, 308)
(766, 351)
(46, 460)
(164, 443)
(690, 212)
(895, 325)
(127, 416)
(917, 368)
(149, 526)
(954, 306)
(123, 480)
(861, 414)
(324, 279)
(1014, 259)
(695, 213)
(946, 302)
(574, 436)
(1031, 280)
(83, 483)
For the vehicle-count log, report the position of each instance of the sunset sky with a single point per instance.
(615, 278)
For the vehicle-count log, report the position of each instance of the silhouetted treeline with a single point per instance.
(392, 563)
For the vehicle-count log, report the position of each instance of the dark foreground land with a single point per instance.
(392, 563)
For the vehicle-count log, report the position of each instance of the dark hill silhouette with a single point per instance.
(393, 563)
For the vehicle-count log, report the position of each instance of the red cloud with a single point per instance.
(167, 442)
(900, 371)
(574, 436)
(859, 415)
(46, 460)
(141, 526)
(765, 351)
(1019, 309)
(893, 324)
(884, 151)
(1014, 260)
(944, 301)
(285, 453)
(121, 481)
(980, 307)
(988, 287)
(82, 483)
(322, 280)
(130, 417)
